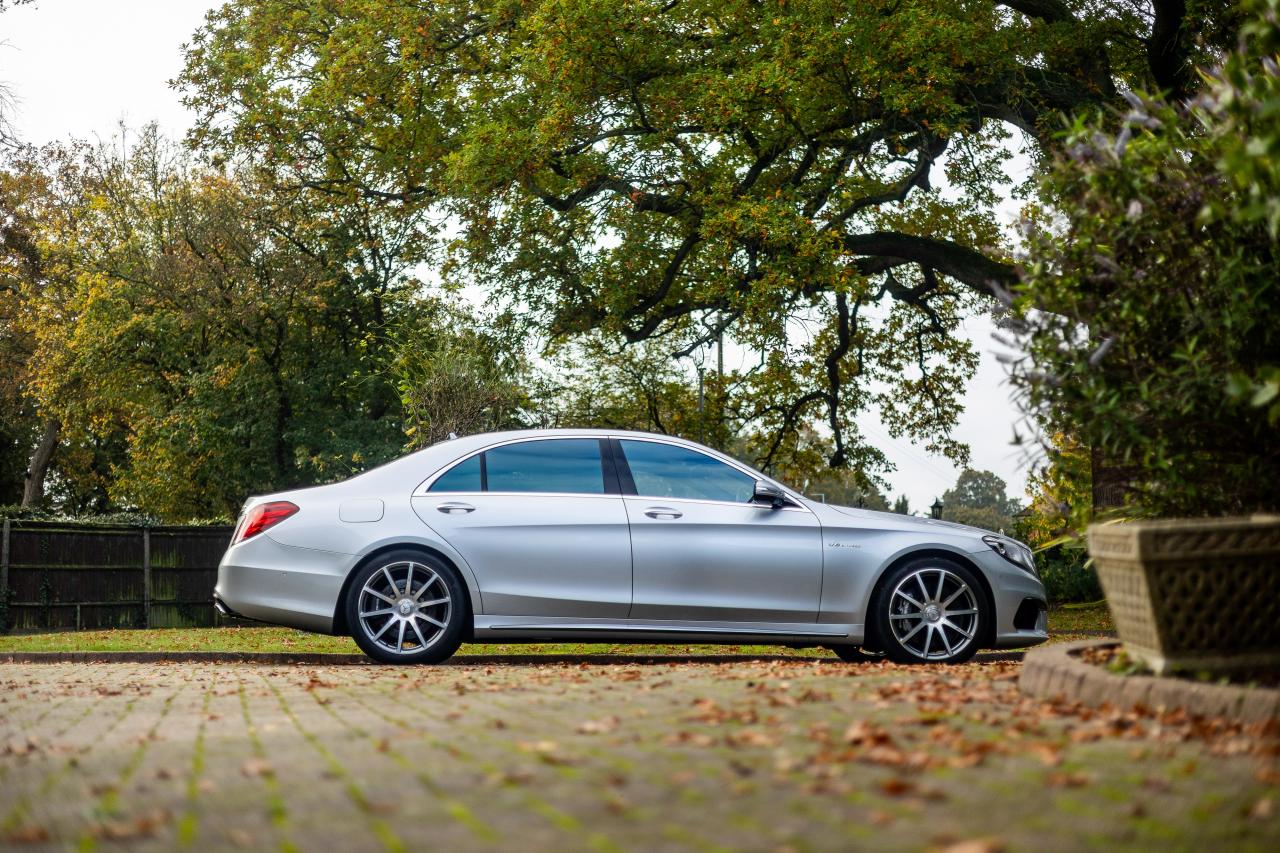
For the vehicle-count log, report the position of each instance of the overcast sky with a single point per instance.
(79, 67)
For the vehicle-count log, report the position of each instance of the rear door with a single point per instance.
(703, 551)
(542, 525)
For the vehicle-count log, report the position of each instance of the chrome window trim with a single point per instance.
(424, 487)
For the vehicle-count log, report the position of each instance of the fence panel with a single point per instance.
(62, 576)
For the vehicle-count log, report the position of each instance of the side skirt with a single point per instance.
(516, 628)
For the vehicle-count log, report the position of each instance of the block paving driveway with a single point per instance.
(764, 755)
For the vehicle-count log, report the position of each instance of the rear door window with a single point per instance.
(463, 477)
(566, 465)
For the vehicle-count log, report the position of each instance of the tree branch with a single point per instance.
(881, 250)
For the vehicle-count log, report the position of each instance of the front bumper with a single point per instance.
(264, 580)
(1012, 588)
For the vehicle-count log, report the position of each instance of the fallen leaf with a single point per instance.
(975, 845)
(1262, 809)
(240, 838)
(29, 834)
(1067, 780)
(896, 787)
(256, 767)
(600, 726)
(1049, 755)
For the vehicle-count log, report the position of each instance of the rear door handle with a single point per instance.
(663, 512)
(455, 507)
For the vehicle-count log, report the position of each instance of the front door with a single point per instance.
(702, 551)
(543, 529)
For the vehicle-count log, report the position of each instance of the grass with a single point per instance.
(1067, 622)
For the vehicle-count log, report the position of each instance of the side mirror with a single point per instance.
(768, 493)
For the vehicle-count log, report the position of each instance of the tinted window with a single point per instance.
(463, 477)
(665, 471)
(559, 465)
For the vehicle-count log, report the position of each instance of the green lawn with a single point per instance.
(1065, 623)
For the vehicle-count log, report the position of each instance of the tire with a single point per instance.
(917, 624)
(856, 654)
(406, 631)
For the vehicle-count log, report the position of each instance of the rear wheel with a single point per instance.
(407, 607)
(930, 610)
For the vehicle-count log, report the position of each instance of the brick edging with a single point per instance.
(332, 659)
(1057, 671)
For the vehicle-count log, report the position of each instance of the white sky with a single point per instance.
(79, 67)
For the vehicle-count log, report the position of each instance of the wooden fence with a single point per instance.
(66, 576)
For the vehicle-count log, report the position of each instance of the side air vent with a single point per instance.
(1028, 614)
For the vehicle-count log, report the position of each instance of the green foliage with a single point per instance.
(679, 171)
(901, 506)
(14, 512)
(1061, 491)
(591, 383)
(1068, 575)
(1163, 287)
(978, 498)
(199, 338)
(463, 382)
(844, 488)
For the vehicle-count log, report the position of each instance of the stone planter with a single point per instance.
(1194, 594)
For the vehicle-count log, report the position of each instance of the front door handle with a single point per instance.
(455, 507)
(663, 512)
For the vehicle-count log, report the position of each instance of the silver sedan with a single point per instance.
(622, 537)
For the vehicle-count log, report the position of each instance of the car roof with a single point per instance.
(442, 453)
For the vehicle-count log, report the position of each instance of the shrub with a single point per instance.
(1067, 575)
(1150, 322)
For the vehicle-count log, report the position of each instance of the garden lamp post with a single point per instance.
(936, 509)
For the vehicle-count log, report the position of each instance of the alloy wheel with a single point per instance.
(404, 607)
(933, 613)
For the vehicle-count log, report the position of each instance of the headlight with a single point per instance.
(1015, 552)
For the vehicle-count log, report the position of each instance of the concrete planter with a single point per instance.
(1194, 594)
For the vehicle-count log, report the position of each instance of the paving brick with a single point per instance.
(579, 755)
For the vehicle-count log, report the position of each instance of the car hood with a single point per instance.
(898, 519)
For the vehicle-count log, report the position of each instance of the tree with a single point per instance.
(196, 341)
(679, 171)
(978, 498)
(901, 507)
(1061, 493)
(589, 383)
(843, 488)
(1158, 298)
(8, 138)
(461, 383)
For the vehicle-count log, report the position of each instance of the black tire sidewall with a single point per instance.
(855, 654)
(443, 648)
(880, 610)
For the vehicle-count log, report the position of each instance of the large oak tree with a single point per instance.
(815, 178)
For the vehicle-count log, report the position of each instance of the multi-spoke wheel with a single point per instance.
(406, 607)
(930, 610)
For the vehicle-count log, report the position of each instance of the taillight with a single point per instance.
(263, 516)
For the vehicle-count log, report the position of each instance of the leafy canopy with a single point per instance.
(194, 339)
(814, 178)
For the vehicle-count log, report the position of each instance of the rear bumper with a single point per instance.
(263, 580)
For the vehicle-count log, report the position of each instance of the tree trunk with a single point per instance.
(33, 488)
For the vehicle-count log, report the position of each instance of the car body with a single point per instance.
(619, 536)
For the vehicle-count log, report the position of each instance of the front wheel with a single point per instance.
(407, 607)
(930, 610)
